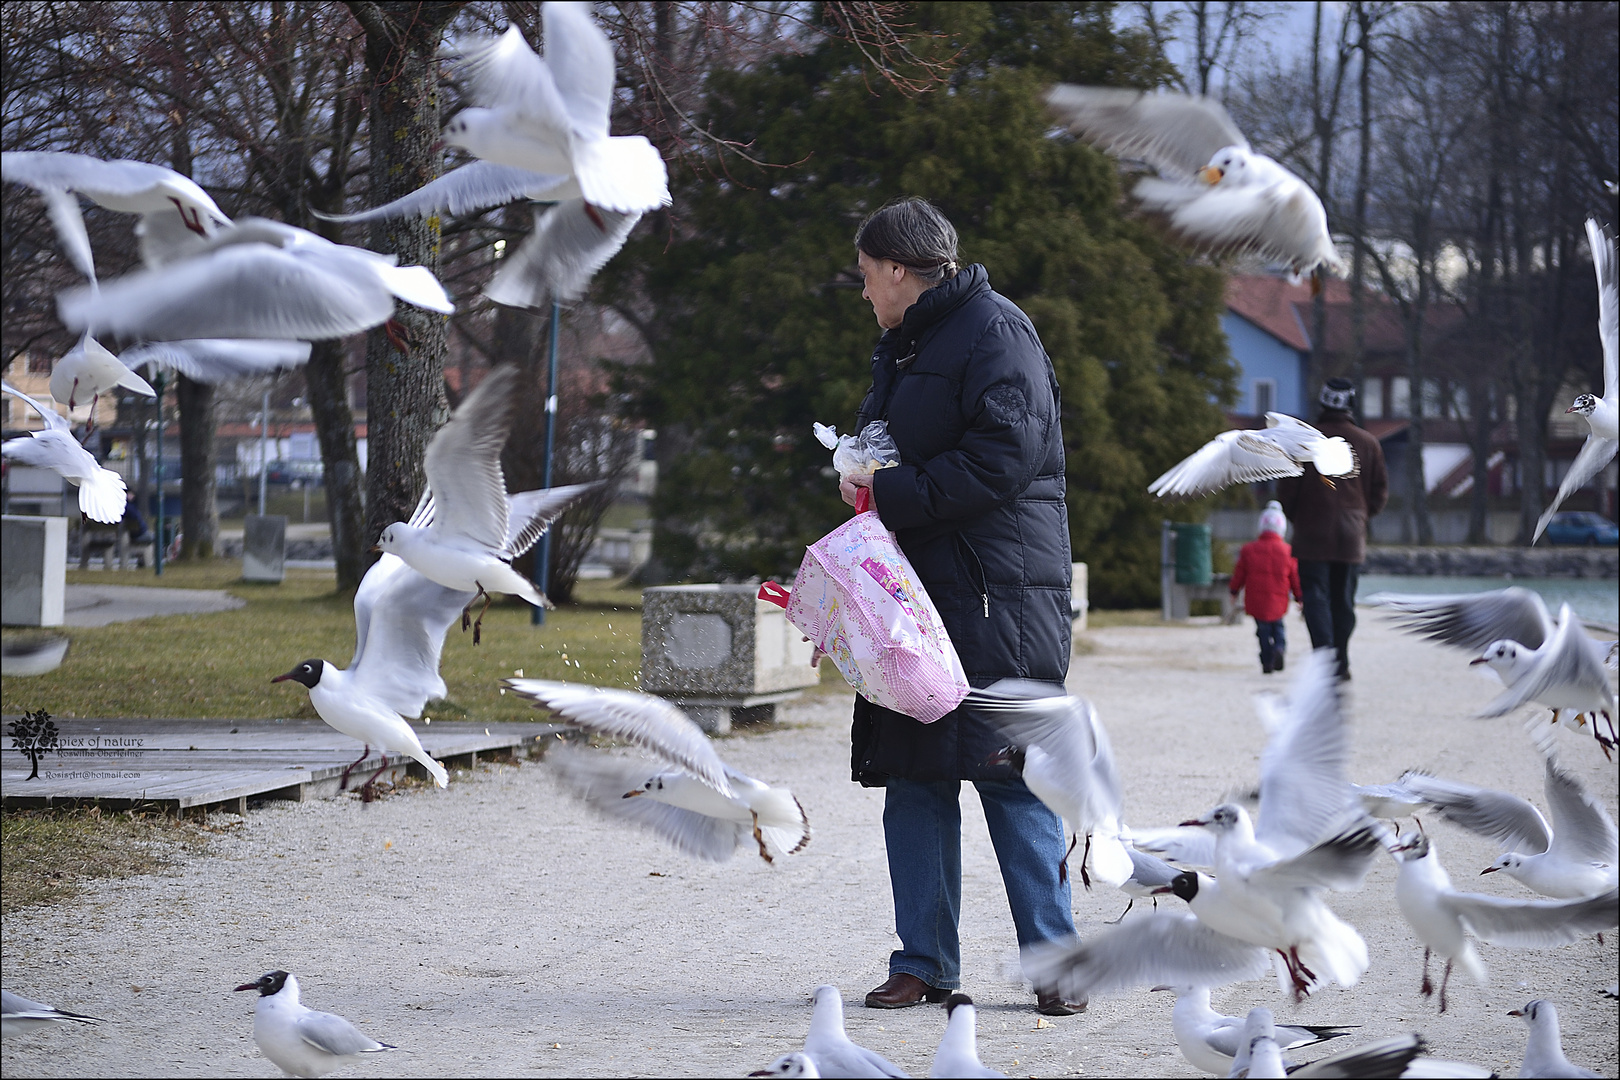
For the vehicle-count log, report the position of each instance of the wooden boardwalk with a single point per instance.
(193, 765)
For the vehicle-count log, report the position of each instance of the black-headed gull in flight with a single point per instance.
(1552, 662)
(19, 1014)
(1544, 1050)
(1215, 189)
(101, 491)
(1209, 1040)
(689, 797)
(548, 117)
(300, 1040)
(1062, 751)
(1246, 456)
(1577, 854)
(400, 619)
(175, 212)
(255, 279)
(958, 1052)
(1602, 415)
(90, 369)
(1438, 914)
(831, 1048)
(461, 533)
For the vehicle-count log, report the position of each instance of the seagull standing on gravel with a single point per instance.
(796, 1064)
(1149, 876)
(299, 1039)
(1210, 1040)
(1602, 415)
(1216, 191)
(400, 619)
(690, 798)
(1246, 456)
(1555, 663)
(101, 491)
(549, 118)
(1438, 914)
(1062, 751)
(465, 544)
(19, 1014)
(1577, 855)
(1544, 1050)
(831, 1049)
(958, 1053)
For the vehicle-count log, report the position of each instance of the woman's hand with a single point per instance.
(849, 488)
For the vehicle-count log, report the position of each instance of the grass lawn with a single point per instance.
(46, 855)
(220, 665)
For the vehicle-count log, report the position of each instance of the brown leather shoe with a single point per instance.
(903, 991)
(1054, 1005)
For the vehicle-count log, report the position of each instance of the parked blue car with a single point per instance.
(1581, 527)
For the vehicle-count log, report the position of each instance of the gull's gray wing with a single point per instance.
(16, 1007)
(1150, 871)
(1571, 659)
(1304, 788)
(1535, 924)
(217, 360)
(1066, 728)
(463, 463)
(1473, 621)
(400, 619)
(249, 290)
(1582, 827)
(1608, 281)
(1232, 457)
(1160, 948)
(602, 780)
(1340, 862)
(54, 421)
(1175, 133)
(1386, 1057)
(1595, 453)
(332, 1034)
(649, 722)
(1509, 820)
(531, 513)
(566, 248)
(470, 189)
(1188, 845)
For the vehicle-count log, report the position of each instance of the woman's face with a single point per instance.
(889, 288)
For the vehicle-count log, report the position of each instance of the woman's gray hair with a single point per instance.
(913, 233)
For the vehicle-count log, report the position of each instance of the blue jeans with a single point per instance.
(1330, 606)
(1273, 640)
(922, 828)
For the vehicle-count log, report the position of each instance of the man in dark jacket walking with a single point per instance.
(1330, 525)
(977, 505)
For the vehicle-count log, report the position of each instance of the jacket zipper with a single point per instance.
(984, 585)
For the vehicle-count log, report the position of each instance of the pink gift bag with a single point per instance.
(858, 599)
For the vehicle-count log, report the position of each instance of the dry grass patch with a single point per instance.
(47, 856)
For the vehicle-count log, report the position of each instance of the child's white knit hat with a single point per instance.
(1272, 519)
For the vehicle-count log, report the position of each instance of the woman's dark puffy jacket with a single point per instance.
(977, 505)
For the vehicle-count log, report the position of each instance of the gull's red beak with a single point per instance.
(1194, 821)
(281, 678)
(246, 986)
(1568, 410)
(1478, 660)
(1489, 870)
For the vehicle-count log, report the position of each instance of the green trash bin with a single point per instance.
(1193, 565)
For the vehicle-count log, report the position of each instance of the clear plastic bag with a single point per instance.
(863, 454)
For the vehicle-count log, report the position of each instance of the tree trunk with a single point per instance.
(1358, 224)
(199, 508)
(334, 429)
(1481, 396)
(1422, 526)
(405, 401)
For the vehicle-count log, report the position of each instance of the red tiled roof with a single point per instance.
(1285, 312)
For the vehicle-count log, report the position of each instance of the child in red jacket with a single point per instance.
(1267, 571)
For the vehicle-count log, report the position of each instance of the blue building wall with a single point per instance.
(1258, 355)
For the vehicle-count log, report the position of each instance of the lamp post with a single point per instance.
(264, 462)
(537, 614)
(157, 477)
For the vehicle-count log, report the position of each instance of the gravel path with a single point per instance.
(495, 928)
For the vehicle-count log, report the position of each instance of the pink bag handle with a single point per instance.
(774, 593)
